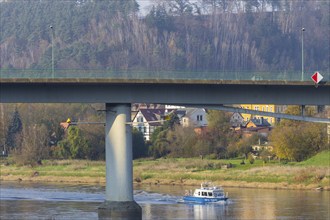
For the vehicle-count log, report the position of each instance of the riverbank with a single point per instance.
(190, 171)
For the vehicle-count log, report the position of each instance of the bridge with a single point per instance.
(118, 90)
(96, 86)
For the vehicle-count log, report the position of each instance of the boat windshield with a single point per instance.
(218, 194)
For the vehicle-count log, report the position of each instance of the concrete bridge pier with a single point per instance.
(119, 202)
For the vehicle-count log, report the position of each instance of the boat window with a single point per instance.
(204, 194)
(210, 193)
(199, 193)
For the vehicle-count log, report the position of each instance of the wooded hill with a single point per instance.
(181, 35)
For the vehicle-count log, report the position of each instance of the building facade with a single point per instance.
(259, 107)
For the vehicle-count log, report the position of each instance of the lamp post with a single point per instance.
(53, 68)
(302, 54)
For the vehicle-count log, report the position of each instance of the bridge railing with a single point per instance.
(175, 75)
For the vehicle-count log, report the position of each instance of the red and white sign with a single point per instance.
(317, 77)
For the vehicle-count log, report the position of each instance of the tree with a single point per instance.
(34, 147)
(3, 127)
(243, 146)
(180, 7)
(219, 128)
(160, 144)
(158, 17)
(14, 130)
(139, 147)
(75, 146)
(217, 4)
(298, 141)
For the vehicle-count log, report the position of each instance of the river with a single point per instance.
(61, 201)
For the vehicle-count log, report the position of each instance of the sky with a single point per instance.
(145, 5)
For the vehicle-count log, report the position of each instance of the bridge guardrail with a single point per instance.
(179, 75)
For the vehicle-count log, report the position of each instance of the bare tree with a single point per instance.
(34, 147)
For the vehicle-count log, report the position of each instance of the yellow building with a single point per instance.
(259, 107)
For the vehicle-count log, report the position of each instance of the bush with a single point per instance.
(34, 146)
(251, 159)
(213, 156)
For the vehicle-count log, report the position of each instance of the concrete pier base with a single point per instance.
(129, 210)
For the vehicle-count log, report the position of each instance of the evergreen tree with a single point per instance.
(139, 146)
(14, 130)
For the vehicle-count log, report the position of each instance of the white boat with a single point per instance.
(206, 194)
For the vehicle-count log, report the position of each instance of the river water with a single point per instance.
(59, 201)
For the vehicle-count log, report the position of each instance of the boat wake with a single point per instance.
(144, 197)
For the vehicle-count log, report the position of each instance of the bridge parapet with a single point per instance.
(32, 74)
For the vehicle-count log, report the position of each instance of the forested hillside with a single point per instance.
(182, 35)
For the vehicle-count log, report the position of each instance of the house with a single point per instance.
(255, 126)
(236, 120)
(258, 122)
(259, 107)
(248, 132)
(262, 147)
(194, 117)
(147, 120)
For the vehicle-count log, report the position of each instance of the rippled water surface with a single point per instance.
(58, 201)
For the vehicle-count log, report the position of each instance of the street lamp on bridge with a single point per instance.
(302, 53)
(53, 66)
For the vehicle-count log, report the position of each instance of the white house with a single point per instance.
(147, 120)
(194, 117)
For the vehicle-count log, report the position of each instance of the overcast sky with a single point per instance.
(145, 5)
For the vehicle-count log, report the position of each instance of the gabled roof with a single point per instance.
(154, 115)
(190, 111)
(237, 114)
(260, 122)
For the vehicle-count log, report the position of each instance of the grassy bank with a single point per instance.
(311, 174)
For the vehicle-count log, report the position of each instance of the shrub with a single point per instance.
(251, 159)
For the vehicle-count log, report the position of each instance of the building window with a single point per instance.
(199, 117)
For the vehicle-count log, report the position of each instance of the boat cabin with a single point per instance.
(210, 192)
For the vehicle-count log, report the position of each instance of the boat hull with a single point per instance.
(203, 199)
